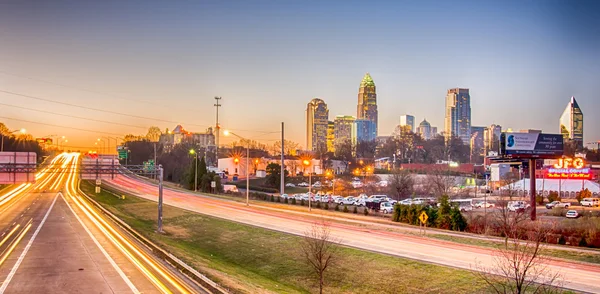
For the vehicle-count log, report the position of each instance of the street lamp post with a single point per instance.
(307, 162)
(227, 133)
(11, 132)
(192, 151)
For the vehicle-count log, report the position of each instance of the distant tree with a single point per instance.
(584, 194)
(289, 148)
(366, 149)
(401, 184)
(344, 151)
(4, 130)
(153, 134)
(274, 175)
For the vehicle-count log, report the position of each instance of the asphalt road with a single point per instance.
(577, 276)
(53, 241)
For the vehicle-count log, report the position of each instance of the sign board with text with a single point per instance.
(531, 145)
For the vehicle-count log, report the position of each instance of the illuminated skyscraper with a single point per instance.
(367, 101)
(363, 130)
(317, 116)
(330, 136)
(342, 129)
(458, 114)
(571, 123)
(424, 130)
(408, 120)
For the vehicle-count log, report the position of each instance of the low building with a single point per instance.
(180, 135)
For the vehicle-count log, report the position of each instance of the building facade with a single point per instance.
(367, 101)
(571, 123)
(330, 136)
(180, 135)
(408, 120)
(424, 130)
(363, 130)
(317, 117)
(477, 139)
(491, 138)
(458, 114)
(342, 129)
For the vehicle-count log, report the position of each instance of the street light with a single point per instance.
(332, 174)
(306, 162)
(236, 160)
(23, 131)
(192, 151)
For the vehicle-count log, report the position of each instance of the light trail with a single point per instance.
(138, 258)
(16, 242)
(9, 234)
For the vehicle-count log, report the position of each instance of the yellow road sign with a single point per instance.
(423, 217)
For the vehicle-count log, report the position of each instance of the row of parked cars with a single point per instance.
(377, 202)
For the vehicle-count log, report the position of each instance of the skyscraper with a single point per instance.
(342, 129)
(491, 138)
(408, 120)
(424, 129)
(363, 130)
(477, 139)
(330, 136)
(317, 116)
(458, 114)
(571, 123)
(367, 101)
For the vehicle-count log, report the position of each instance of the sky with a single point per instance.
(161, 63)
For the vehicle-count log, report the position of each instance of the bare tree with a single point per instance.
(401, 184)
(440, 182)
(519, 267)
(320, 250)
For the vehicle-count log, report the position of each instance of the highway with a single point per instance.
(576, 276)
(52, 240)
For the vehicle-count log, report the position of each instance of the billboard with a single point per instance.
(17, 167)
(531, 145)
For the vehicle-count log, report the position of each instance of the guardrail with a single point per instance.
(187, 270)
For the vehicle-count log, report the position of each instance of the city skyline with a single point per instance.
(521, 58)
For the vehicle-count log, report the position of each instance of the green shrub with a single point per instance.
(318, 204)
(293, 201)
(457, 221)
(337, 207)
(326, 207)
(539, 199)
(553, 196)
(346, 209)
(272, 198)
(302, 202)
(279, 199)
(366, 211)
(355, 210)
(285, 201)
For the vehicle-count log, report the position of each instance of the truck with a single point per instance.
(230, 188)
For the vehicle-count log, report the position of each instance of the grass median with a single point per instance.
(248, 259)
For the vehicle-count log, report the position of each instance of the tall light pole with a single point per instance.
(192, 151)
(227, 133)
(58, 141)
(307, 163)
(218, 130)
(23, 131)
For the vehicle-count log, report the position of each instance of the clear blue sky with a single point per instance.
(267, 59)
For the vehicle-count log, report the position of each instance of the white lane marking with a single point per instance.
(20, 260)
(112, 262)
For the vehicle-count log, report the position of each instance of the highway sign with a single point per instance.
(531, 145)
(123, 154)
(98, 182)
(423, 217)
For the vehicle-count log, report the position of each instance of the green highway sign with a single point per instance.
(123, 154)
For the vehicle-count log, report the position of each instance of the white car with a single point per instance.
(290, 185)
(378, 198)
(350, 200)
(337, 199)
(357, 184)
(383, 184)
(572, 214)
(317, 185)
(285, 196)
(303, 184)
(406, 202)
(483, 204)
(386, 207)
(362, 199)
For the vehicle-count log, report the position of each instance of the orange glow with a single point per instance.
(306, 162)
(236, 160)
(577, 163)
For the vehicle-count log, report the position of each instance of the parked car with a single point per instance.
(284, 196)
(357, 184)
(325, 199)
(557, 204)
(362, 200)
(337, 199)
(378, 198)
(515, 206)
(350, 200)
(303, 184)
(290, 185)
(230, 188)
(386, 207)
(572, 214)
(383, 184)
(485, 204)
(590, 202)
(406, 202)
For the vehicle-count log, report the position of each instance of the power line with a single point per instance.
(73, 116)
(81, 89)
(114, 112)
(58, 126)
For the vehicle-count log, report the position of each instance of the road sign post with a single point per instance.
(423, 221)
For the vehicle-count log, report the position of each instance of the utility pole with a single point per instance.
(218, 128)
(282, 184)
(160, 198)
(154, 157)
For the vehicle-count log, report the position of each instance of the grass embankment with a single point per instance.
(248, 259)
(557, 253)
